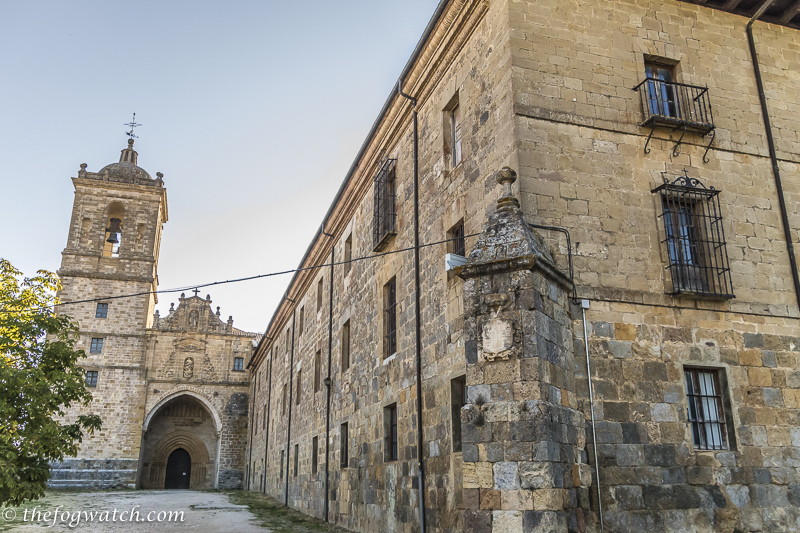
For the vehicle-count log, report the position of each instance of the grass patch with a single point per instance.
(279, 518)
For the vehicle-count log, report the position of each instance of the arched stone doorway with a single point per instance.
(179, 423)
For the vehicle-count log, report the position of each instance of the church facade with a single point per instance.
(172, 391)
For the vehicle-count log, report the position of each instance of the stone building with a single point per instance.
(387, 387)
(172, 392)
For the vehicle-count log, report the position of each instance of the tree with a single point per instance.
(39, 380)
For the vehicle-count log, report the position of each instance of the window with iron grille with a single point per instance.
(96, 346)
(91, 378)
(695, 239)
(390, 318)
(102, 311)
(390, 433)
(456, 243)
(706, 413)
(344, 458)
(458, 399)
(238, 364)
(384, 196)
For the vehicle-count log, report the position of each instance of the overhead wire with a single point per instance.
(237, 280)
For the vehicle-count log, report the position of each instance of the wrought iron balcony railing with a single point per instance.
(677, 106)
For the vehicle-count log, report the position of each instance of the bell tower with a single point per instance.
(111, 259)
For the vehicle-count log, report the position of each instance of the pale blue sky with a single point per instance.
(253, 111)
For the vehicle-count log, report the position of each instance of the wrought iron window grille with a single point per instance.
(695, 239)
(678, 106)
(384, 211)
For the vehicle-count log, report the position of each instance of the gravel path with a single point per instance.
(203, 512)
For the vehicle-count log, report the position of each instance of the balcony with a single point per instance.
(677, 106)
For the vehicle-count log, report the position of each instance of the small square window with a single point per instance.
(344, 458)
(390, 433)
(102, 311)
(238, 364)
(91, 378)
(456, 244)
(707, 409)
(96, 346)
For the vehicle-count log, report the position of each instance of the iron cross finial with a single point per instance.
(196, 291)
(133, 125)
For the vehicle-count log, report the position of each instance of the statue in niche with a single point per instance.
(193, 320)
(188, 368)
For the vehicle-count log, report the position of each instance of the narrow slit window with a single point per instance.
(348, 253)
(284, 400)
(390, 433)
(283, 456)
(301, 321)
(314, 455)
(384, 207)
(455, 128)
(343, 440)
(346, 346)
(458, 399)
(299, 387)
(296, 459)
(320, 288)
(317, 371)
(390, 318)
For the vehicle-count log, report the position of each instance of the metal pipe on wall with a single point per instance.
(417, 312)
(787, 230)
(584, 307)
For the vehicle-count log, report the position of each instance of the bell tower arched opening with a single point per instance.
(113, 240)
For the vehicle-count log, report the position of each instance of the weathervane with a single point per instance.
(133, 125)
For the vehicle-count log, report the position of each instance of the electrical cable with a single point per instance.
(248, 278)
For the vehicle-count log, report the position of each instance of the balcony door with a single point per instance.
(661, 95)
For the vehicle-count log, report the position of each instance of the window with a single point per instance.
(96, 346)
(302, 319)
(283, 400)
(319, 294)
(91, 378)
(348, 253)
(458, 399)
(238, 364)
(314, 455)
(317, 371)
(390, 318)
(384, 209)
(102, 311)
(661, 89)
(296, 459)
(346, 346)
(299, 387)
(390, 433)
(282, 457)
(344, 458)
(456, 243)
(695, 239)
(455, 133)
(288, 338)
(264, 419)
(706, 412)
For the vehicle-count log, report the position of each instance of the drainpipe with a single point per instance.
(417, 317)
(787, 230)
(584, 307)
(328, 385)
(269, 401)
(289, 424)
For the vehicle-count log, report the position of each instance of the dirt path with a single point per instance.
(201, 512)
